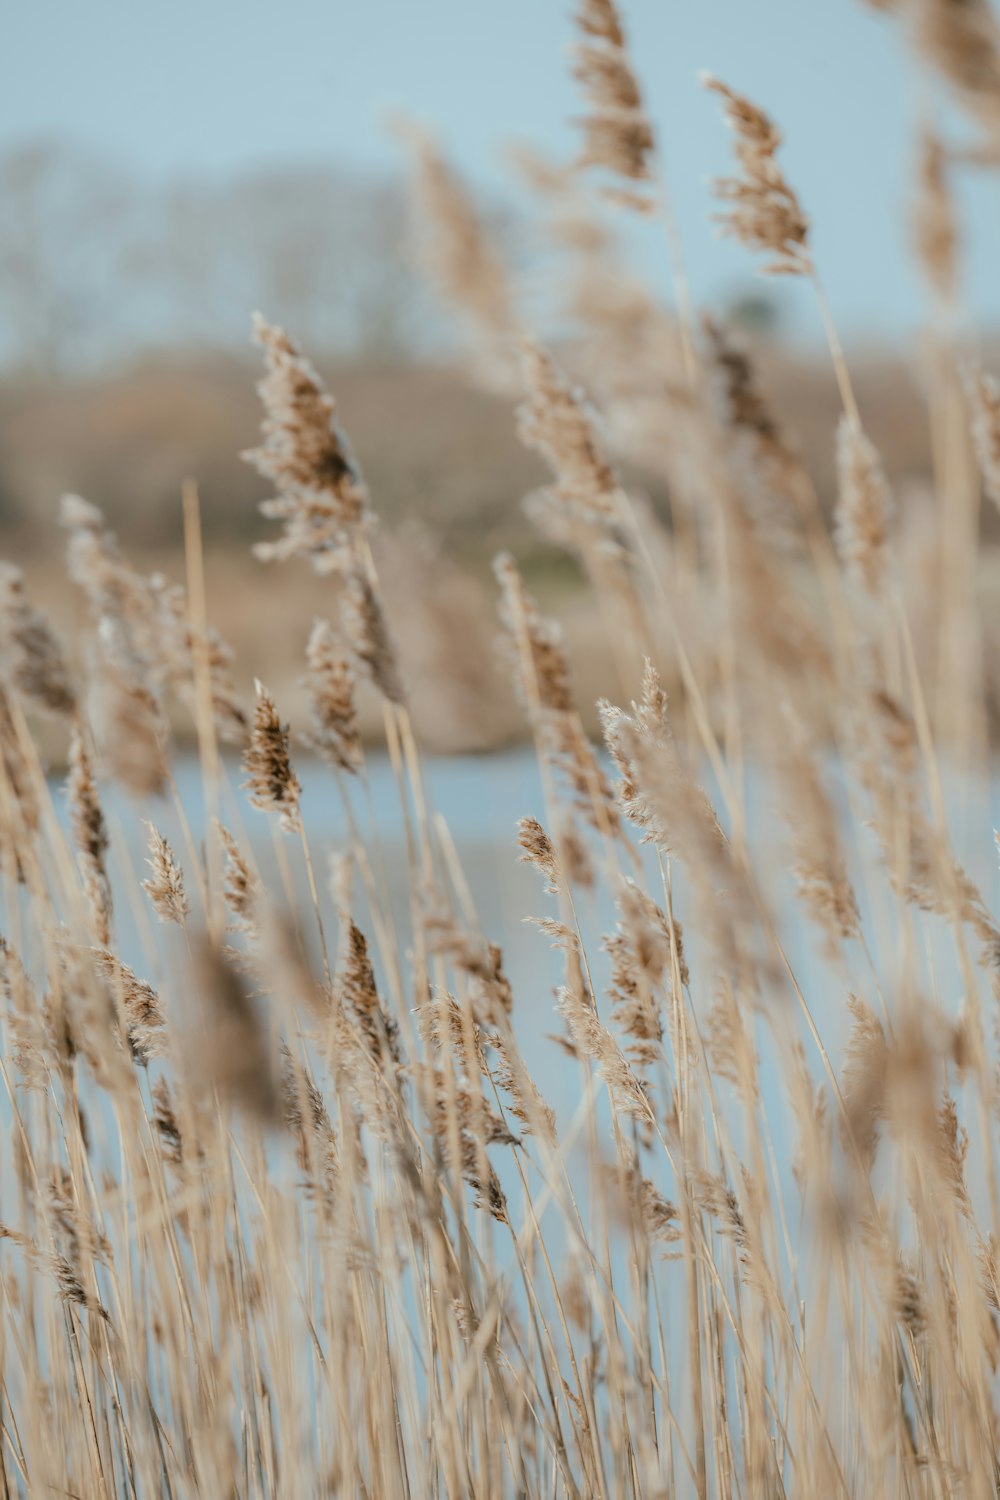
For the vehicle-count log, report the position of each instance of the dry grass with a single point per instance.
(289, 1204)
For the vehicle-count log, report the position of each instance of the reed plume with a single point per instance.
(864, 508)
(461, 253)
(763, 213)
(321, 495)
(935, 223)
(165, 884)
(331, 695)
(556, 420)
(983, 393)
(366, 630)
(544, 674)
(90, 834)
(227, 1046)
(617, 134)
(538, 849)
(242, 891)
(271, 782)
(32, 654)
(137, 1003)
(132, 645)
(777, 487)
(961, 39)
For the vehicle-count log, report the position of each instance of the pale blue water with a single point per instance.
(481, 800)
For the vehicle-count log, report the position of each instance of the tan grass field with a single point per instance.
(300, 1194)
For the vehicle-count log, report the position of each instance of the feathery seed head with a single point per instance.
(983, 393)
(543, 671)
(366, 630)
(557, 422)
(617, 134)
(330, 682)
(271, 781)
(90, 834)
(934, 221)
(961, 39)
(538, 849)
(322, 497)
(138, 1005)
(165, 886)
(242, 891)
(460, 252)
(763, 212)
(228, 1047)
(864, 508)
(32, 654)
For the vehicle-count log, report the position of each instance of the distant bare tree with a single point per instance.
(64, 226)
(94, 267)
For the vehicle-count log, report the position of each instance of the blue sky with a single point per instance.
(214, 86)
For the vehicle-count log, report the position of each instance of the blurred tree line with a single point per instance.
(97, 266)
(125, 361)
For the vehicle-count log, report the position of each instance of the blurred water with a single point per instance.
(481, 800)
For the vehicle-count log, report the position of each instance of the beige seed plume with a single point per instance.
(459, 250)
(617, 134)
(590, 1038)
(89, 829)
(90, 835)
(133, 733)
(367, 631)
(358, 993)
(557, 422)
(271, 781)
(543, 670)
(600, 19)
(122, 600)
(167, 1124)
(864, 508)
(935, 229)
(983, 392)
(138, 1005)
(31, 653)
(230, 717)
(961, 39)
(242, 890)
(640, 955)
(480, 959)
(776, 484)
(229, 1049)
(763, 213)
(136, 650)
(539, 850)
(863, 1081)
(543, 680)
(20, 812)
(330, 682)
(634, 1200)
(815, 827)
(525, 1102)
(165, 886)
(574, 853)
(321, 494)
